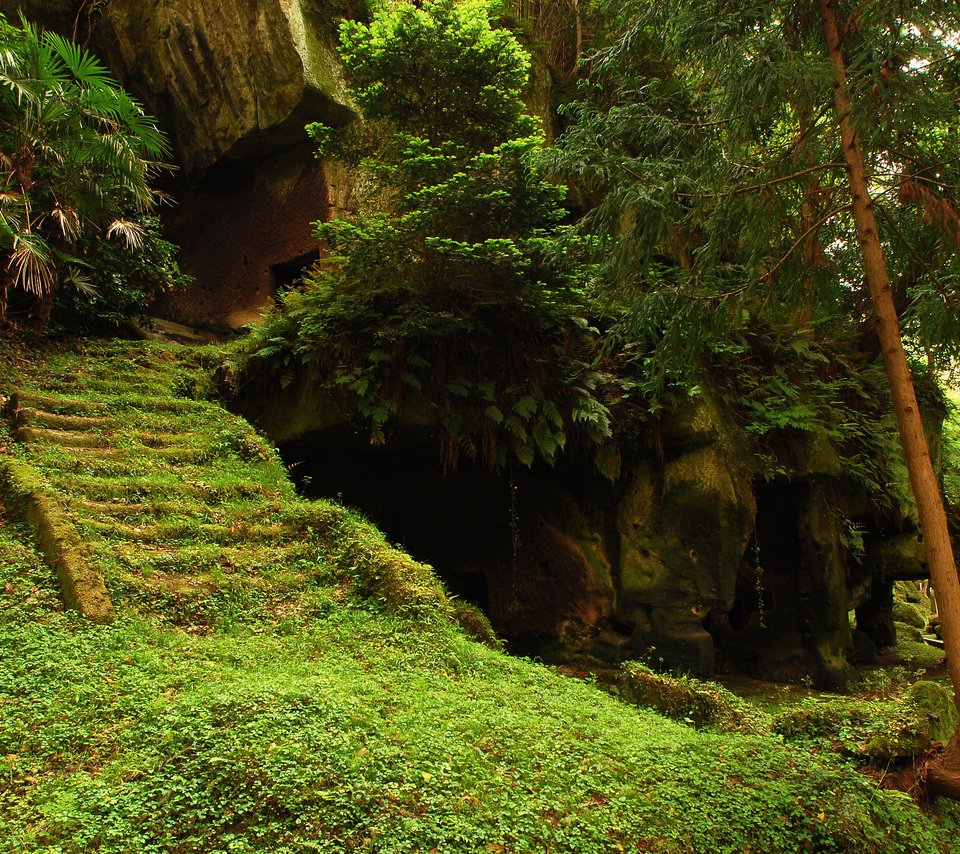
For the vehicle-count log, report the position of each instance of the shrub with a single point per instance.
(452, 301)
(79, 155)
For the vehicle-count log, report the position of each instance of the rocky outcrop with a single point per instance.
(234, 79)
(685, 560)
(684, 524)
(234, 83)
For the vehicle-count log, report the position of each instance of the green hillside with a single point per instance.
(278, 678)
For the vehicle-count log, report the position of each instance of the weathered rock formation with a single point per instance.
(685, 561)
(233, 83)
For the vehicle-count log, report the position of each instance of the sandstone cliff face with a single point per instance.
(233, 78)
(233, 83)
(687, 560)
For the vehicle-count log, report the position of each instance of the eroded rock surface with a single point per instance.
(233, 78)
(233, 83)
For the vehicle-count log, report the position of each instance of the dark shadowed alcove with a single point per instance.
(499, 540)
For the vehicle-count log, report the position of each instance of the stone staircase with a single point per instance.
(175, 507)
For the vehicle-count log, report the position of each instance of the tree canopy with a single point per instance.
(706, 135)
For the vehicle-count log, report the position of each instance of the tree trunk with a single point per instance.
(40, 310)
(926, 490)
(943, 774)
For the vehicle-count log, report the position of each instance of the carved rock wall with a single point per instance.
(685, 561)
(232, 78)
(233, 83)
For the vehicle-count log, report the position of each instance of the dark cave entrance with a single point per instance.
(288, 273)
(460, 523)
(762, 633)
(497, 540)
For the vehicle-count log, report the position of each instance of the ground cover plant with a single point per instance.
(329, 703)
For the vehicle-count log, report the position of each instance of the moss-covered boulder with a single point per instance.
(877, 732)
(702, 704)
(905, 612)
(906, 632)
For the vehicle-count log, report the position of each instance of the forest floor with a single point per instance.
(278, 678)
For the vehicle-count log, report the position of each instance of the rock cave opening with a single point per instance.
(459, 523)
(762, 630)
(288, 273)
(486, 534)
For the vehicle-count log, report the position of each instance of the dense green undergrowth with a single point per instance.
(306, 708)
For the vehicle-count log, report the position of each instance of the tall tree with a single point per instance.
(775, 157)
(449, 301)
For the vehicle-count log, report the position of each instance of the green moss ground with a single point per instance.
(279, 679)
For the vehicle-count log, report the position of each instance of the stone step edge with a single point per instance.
(60, 543)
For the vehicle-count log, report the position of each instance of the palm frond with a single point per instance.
(75, 277)
(85, 68)
(67, 219)
(132, 233)
(31, 264)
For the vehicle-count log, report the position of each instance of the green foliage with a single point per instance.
(703, 138)
(873, 731)
(692, 701)
(77, 156)
(304, 718)
(401, 65)
(951, 452)
(452, 302)
(363, 731)
(705, 133)
(110, 284)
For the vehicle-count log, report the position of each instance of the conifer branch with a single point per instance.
(799, 242)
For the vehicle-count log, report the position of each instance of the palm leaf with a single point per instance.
(131, 232)
(31, 263)
(83, 66)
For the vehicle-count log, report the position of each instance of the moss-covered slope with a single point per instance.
(186, 513)
(276, 678)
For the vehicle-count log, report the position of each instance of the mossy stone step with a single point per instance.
(240, 560)
(100, 487)
(48, 457)
(107, 405)
(137, 456)
(109, 388)
(138, 441)
(28, 417)
(64, 438)
(186, 531)
(147, 511)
